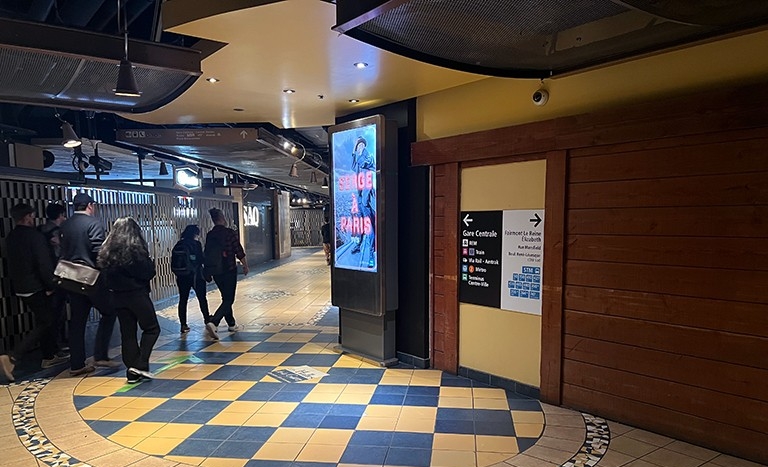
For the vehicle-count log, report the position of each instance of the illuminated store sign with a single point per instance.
(187, 179)
(251, 216)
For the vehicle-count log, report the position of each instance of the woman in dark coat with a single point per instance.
(191, 276)
(124, 261)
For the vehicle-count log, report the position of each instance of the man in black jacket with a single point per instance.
(81, 239)
(31, 272)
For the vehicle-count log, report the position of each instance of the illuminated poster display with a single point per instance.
(354, 198)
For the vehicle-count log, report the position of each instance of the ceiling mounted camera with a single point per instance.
(540, 97)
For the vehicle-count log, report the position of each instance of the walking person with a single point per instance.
(127, 268)
(31, 271)
(81, 238)
(325, 230)
(187, 265)
(222, 246)
(56, 214)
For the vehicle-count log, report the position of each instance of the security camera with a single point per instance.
(540, 97)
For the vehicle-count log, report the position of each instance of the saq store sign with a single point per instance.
(501, 259)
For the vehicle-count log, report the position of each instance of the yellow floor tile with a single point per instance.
(415, 425)
(127, 441)
(279, 451)
(125, 414)
(359, 389)
(418, 413)
(158, 446)
(525, 416)
(176, 430)
(330, 388)
(331, 436)
(430, 382)
(455, 402)
(291, 435)
(529, 430)
(90, 413)
(395, 381)
(491, 404)
(486, 459)
(209, 385)
(455, 442)
(488, 393)
(102, 391)
(455, 392)
(148, 402)
(321, 453)
(224, 395)
(193, 394)
(266, 419)
(247, 359)
(278, 407)
(229, 418)
(223, 462)
(487, 443)
(238, 347)
(346, 398)
(347, 362)
(143, 429)
(377, 424)
(237, 385)
(244, 406)
(453, 458)
(189, 460)
(383, 411)
(322, 397)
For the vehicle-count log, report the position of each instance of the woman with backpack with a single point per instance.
(187, 265)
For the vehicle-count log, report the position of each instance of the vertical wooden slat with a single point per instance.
(552, 291)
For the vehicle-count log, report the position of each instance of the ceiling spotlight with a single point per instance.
(289, 91)
(313, 177)
(294, 171)
(325, 182)
(238, 109)
(361, 65)
(354, 101)
(70, 139)
(163, 169)
(213, 80)
(287, 144)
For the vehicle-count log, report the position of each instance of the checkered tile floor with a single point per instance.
(219, 403)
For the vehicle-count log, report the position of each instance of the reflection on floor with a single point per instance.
(276, 394)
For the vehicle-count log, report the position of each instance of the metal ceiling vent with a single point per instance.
(54, 66)
(539, 39)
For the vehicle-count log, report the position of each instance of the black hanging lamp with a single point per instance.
(126, 81)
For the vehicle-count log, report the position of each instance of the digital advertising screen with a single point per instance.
(354, 198)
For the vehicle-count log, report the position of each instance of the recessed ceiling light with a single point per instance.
(289, 91)
(354, 101)
(213, 80)
(238, 109)
(361, 65)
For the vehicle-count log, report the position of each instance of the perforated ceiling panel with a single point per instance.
(517, 38)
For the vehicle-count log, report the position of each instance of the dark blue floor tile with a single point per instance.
(195, 417)
(337, 379)
(342, 371)
(160, 416)
(525, 443)
(340, 422)
(455, 381)
(420, 401)
(227, 373)
(217, 357)
(312, 408)
(486, 415)
(455, 426)
(371, 438)
(255, 373)
(196, 448)
(325, 337)
(177, 404)
(495, 428)
(180, 344)
(106, 428)
(306, 420)
(412, 440)
(262, 396)
(290, 347)
(313, 464)
(237, 449)
(298, 360)
(213, 432)
(324, 360)
(305, 388)
(387, 389)
(521, 404)
(455, 414)
(364, 455)
(387, 399)
(512, 395)
(82, 402)
(263, 463)
(252, 433)
(247, 336)
(408, 456)
(350, 410)
(284, 396)
(423, 391)
(213, 407)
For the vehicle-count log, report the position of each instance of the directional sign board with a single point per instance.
(501, 259)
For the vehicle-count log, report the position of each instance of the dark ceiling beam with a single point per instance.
(78, 13)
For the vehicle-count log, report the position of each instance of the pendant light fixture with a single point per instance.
(294, 168)
(313, 177)
(325, 182)
(163, 169)
(126, 81)
(69, 137)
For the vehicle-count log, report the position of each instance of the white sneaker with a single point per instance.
(235, 328)
(144, 373)
(210, 328)
(106, 364)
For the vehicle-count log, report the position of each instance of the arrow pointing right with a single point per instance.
(536, 219)
(467, 220)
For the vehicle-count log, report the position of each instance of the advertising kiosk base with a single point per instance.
(371, 337)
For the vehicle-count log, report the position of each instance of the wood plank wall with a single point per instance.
(664, 313)
(666, 288)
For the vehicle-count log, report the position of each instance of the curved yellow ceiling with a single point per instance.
(290, 45)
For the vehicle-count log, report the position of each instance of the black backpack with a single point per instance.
(181, 259)
(214, 256)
